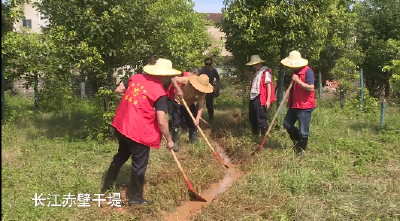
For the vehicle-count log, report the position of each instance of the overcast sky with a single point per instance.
(208, 6)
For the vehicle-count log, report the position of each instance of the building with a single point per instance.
(33, 20)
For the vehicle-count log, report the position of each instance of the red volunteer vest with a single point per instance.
(302, 99)
(263, 89)
(171, 89)
(135, 116)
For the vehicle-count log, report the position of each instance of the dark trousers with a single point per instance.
(210, 105)
(257, 115)
(180, 114)
(304, 118)
(127, 148)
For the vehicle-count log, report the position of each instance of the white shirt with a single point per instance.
(255, 90)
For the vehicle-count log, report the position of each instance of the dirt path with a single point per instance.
(188, 210)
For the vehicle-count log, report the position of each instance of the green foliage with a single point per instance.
(394, 66)
(126, 32)
(345, 73)
(376, 26)
(370, 103)
(273, 28)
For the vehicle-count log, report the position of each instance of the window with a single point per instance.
(27, 23)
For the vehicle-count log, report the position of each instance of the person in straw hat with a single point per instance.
(173, 106)
(192, 89)
(139, 123)
(301, 101)
(261, 95)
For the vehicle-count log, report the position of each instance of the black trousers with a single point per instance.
(180, 114)
(257, 115)
(210, 105)
(127, 148)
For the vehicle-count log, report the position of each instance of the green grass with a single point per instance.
(46, 153)
(350, 171)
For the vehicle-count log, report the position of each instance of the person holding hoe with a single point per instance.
(173, 106)
(192, 89)
(301, 101)
(139, 123)
(261, 95)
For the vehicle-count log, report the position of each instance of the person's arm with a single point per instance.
(269, 89)
(120, 90)
(161, 108)
(308, 85)
(200, 108)
(179, 80)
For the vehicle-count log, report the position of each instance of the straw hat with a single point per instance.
(201, 83)
(294, 60)
(163, 67)
(255, 59)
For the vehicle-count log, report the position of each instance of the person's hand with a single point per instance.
(179, 93)
(267, 104)
(197, 122)
(170, 145)
(295, 78)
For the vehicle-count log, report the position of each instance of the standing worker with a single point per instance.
(211, 73)
(301, 101)
(261, 95)
(139, 123)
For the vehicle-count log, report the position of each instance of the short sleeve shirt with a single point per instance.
(213, 73)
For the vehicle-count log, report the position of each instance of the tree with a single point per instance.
(273, 28)
(377, 24)
(126, 32)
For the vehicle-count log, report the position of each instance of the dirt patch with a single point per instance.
(188, 210)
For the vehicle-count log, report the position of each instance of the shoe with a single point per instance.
(294, 135)
(301, 146)
(193, 135)
(175, 137)
(136, 190)
(110, 177)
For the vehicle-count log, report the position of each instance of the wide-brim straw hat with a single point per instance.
(255, 59)
(294, 60)
(163, 67)
(201, 83)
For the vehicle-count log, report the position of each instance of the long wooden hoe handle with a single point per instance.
(204, 136)
(185, 177)
(204, 121)
(276, 115)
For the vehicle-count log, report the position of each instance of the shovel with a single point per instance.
(191, 190)
(273, 120)
(204, 136)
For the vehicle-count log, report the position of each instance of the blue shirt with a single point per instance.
(309, 80)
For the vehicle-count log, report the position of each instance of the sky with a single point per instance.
(208, 6)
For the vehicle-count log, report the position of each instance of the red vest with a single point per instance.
(302, 99)
(135, 116)
(263, 89)
(171, 89)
